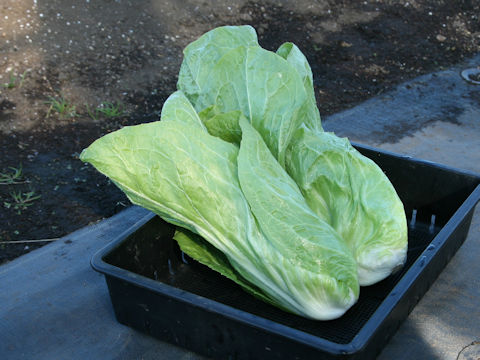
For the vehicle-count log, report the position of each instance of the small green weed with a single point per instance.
(11, 83)
(21, 200)
(61, 106)
(13, 80)
(111, 110)
(15, 176)
(22, 78)
(92, 113)
(107, 109)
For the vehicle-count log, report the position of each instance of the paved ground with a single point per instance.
(435, 117)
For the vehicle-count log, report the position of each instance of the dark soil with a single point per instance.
(129, 53)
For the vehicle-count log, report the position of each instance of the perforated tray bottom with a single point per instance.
(159, 258)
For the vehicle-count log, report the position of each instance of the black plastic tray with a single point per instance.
(160, 291)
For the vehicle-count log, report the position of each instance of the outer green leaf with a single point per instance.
(186, 176)
(225, 70)
(351, 193)
(200, 55)
(318, 267)
(189, 178)
(295, 57)
(263, 86)
(202, 251)
(178, 108)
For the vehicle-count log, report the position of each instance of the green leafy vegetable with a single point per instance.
(259, 192)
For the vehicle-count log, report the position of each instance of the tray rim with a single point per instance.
(364, 335)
